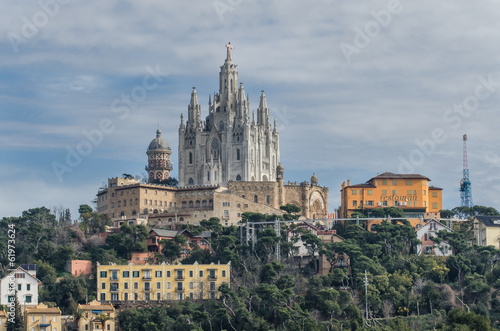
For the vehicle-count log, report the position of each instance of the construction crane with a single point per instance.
(465, 185)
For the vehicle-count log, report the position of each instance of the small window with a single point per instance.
(394, 192)
(370, 192)
(408, 182)
(354, 203)
(384, 192)
(223, 273)
(354, 192)
(394, 182)
(409, 192)
(384, 182)
(135, 274)
(104, 274)
(201, 273)
(434, 205)
(434, 194)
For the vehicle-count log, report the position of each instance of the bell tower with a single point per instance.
(159, 165)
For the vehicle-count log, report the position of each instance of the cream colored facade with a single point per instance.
(487, 231)
(42, 318)
(97, 317)
(161, 282)
(126, 199)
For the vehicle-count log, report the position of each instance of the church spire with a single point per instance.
(181, 126)
(263, 111)
(194, 110)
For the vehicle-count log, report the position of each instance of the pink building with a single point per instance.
(79, 267)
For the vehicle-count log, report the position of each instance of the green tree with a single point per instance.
(461, 320)
(171, 250)
(313, 244)
(85, 209)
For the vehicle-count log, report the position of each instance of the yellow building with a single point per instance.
(42, 318)
(162, 282)
(95, 316)
(409, 192)
(487, 230)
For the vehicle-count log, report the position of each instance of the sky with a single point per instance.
(357, 87)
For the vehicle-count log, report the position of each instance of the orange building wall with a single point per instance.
(81, 267)
(412, 195)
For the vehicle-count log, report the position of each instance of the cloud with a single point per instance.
(355, 119)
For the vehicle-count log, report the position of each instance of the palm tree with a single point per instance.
(78, 315)
(102, 318)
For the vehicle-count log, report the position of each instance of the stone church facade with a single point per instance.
(228, 144)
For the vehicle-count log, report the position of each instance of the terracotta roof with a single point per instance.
(435, 188)
(170, 233)
(362, 185)
(34, 310)
(19, 268)
(390, 175)
(97, 307)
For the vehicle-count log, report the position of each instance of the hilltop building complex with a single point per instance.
(228, 164)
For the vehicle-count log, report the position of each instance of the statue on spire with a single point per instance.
(229, 49)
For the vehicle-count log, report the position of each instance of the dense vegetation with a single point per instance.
(404, 291)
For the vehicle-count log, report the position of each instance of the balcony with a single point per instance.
(146, 278)
(147, 289)
(179, 289)
(212, 277)
(179, 277)
(114, 289)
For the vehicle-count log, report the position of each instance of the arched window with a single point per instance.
(145, 211)
(204, 203)
(184, 204)
(191, 205)
(231, 85)
(181, 219)
(134, 212)
(215, 149)
(268, 199)
(237, 154)
(170, 219)
(197, 204)
(190, 181)
(208, 176)
(122, 214)
(210, 202)
(190, 158)
(215, 175)
(155, 211)
(255, 198)
(221, 126)
(238, 177)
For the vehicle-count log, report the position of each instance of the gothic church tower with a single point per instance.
(227, 145)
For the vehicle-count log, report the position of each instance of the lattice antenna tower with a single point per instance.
(465, 185)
